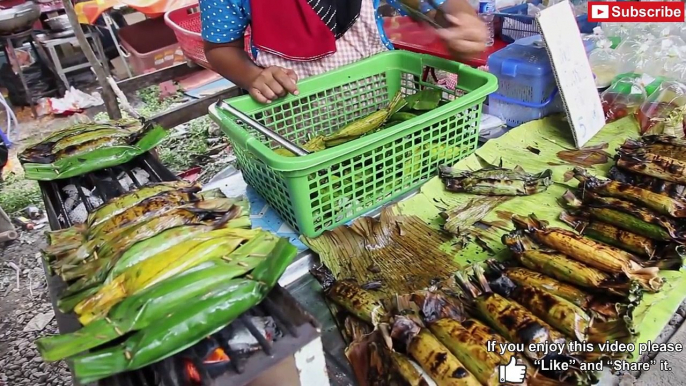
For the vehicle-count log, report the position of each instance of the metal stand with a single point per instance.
(52, 44)
(8, 41)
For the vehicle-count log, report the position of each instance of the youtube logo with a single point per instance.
(600, 11)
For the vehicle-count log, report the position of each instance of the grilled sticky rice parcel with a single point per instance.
(83, 139)
(603, 257)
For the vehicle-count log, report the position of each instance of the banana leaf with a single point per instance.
(496, 181)
(144, 308)
(123, 257)
(401, 252)
(190, 323)
(170, 334)
(169, 263)
(99, 158)
(135, 197)
(196, 211)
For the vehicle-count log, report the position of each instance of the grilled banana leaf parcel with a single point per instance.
(466, 338)
(495, 181)
(633, 156)
(110, 265)
(601, 307)
(224, 245)
(350, 296)
(674, 207)
(653, 184)
(83, 151)
(514, 322)
(441, 365)
(561, 267)
(603, 257)
(135, 197)
(84, 138)
(171, 333)
(628, 216)
(116, 228)
(665, 145)
(562, 314)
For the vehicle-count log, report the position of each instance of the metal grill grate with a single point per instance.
(298, 328)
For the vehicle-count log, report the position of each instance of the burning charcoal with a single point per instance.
(139, 174)
(243, 342)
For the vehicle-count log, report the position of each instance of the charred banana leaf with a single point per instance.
(514, 322)
(495, 181)
(375, 364)
(628, 216)
(466, 338)
(350, 296)
(600, 307)
(603, 257)
(135, 197)
(653, 184)
(659, 203)
(632, 156)
(561, 314)
(561, 267)
(441, 365)
(611, 235)
(664, 145)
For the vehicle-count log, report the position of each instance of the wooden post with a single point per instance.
(107, 94)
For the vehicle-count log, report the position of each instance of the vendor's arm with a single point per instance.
(464, 34)
(223, 26)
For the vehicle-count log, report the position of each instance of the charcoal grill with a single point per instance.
(300, 331)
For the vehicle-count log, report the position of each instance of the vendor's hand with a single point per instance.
(466, 35)
(272, 83)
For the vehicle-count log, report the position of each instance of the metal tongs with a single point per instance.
(288, 145)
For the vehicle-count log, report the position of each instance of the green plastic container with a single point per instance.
(322, 190)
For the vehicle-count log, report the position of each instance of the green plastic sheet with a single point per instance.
(94, 160)
(534, 146)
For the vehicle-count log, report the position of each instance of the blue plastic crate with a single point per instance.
(524, 73)
(516, 112)
(517, 23)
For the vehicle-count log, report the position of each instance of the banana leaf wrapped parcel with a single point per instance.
(173, 313)
(88, 147)
(495, 181)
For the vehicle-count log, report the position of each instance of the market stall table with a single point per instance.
(549, 135)
(406, 34)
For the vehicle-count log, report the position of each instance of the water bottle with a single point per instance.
(486, 10)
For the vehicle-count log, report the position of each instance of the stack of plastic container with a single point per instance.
(527, 89)
(526, 84)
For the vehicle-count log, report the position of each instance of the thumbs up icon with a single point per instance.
(512, 372)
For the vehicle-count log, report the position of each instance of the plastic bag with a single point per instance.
(666, 55)
(624, 97)
(597, 35)
(605, 63)
(634, 52)
(663, 112)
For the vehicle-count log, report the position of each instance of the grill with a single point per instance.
(274, 330)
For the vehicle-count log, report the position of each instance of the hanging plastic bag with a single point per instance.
(666, 55)
(633, 53)
(604, 63)
(663, 112)
(623, 98)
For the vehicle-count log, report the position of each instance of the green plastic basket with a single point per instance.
(322, 190)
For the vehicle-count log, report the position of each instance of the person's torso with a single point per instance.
(364, 39)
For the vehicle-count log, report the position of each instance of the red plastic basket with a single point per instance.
(185, 22)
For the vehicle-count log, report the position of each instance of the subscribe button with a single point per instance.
(633, 11)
